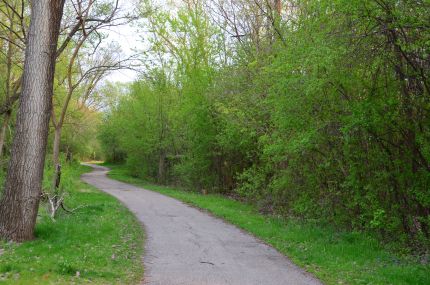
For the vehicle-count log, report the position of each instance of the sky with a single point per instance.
(126, 36)
(129, 39)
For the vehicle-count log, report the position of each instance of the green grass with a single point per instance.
(101, 242)
(334, 257)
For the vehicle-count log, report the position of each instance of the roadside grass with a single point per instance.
(100, 243)
(335, 257)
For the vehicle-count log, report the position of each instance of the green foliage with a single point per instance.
(324, 115)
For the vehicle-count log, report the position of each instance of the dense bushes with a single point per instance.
(322, 114)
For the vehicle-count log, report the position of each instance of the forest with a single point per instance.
(316, 110)
(309, 110)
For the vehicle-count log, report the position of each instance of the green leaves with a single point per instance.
(326, 117)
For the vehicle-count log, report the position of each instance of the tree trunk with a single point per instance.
(69, 155)
(20, 201)
(56, 153)
(56, 146)
(278, 6)
(161, 168)
(3, 132)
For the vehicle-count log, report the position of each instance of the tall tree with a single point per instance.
(88, 63)
(20, 201)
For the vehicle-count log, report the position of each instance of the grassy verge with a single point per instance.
(334, 257)
(100, 243)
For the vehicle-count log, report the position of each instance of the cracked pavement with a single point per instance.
(185, 246)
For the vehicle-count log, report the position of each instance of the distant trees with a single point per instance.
(12, 36)
(86, 62)
(319, 109)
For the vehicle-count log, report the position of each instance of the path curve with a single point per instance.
(185, 246)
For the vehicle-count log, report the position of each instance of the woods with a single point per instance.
(309, 109)
(314, 112)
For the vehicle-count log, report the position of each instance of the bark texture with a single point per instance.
(22, 191)
(56, 153)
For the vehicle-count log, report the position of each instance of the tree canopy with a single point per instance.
(315, 109)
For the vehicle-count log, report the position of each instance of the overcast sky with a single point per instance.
(126, 36)
(130, 39)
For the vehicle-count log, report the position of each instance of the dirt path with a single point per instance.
(188, 247)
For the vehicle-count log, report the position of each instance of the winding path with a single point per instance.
(185, 246)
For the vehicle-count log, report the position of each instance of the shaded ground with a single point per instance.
(188, 247)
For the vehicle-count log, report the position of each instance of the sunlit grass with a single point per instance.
(100, 243)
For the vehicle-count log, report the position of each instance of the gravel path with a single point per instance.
(185, 246)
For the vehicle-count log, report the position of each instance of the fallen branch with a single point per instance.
(73, 210)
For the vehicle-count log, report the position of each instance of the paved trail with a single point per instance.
(188, 247)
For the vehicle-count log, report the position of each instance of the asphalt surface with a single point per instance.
(185, 246)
